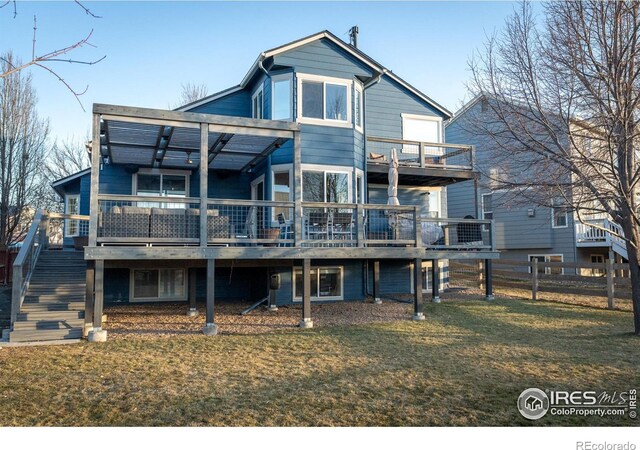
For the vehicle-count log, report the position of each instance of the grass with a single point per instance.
(465, 365)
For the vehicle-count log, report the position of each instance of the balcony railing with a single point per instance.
(420, 154)
(142, 220)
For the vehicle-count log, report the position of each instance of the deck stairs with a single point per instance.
(601, 233)
(53, 307)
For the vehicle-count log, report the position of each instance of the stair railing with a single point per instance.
(25, 262)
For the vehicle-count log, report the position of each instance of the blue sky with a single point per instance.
(153, 47)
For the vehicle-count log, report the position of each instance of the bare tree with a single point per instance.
(63, 159)
(564, 102)
(23, 137)
(44, 60)
(191, 92)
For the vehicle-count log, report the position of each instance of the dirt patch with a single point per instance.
(170, 319)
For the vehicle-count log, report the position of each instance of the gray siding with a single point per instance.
(322, 58)
(236, 104)
(385, 102)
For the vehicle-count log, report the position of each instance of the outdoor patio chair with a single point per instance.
(342, 228)
(318, 225)
(285, 229)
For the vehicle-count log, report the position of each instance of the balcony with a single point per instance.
(420, 163)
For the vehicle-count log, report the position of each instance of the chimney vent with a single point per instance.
(353, 36)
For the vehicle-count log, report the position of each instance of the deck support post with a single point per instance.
(98, 334)
(376, 282)
(94, 204)
(306, 321)
(488, 280)
(418, 307)
(204, 182)
(88, 299)
(297, 190)
(210, 328)
(193, 311)
(435, 281)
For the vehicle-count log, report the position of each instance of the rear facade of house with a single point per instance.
(526, 231)
(281, 182)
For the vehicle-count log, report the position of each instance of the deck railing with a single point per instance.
(142, 220)
(420, 154)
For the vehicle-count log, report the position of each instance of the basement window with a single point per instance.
(326, 283)
(158, 284)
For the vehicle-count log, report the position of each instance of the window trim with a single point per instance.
(482, 206)
(301, 77)
(66, 211)
(553, 216)
(359, 89)
(274, 80)
(317, 269)
(280, 168)
(547, 270)
(330, 169)
(161, 172)
(258, 91)
(133, 299)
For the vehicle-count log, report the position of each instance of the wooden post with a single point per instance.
(417, 226)
(421, 153)
(306, 321)
(94, 205)
(435, 281)
(97, 334)
(210, 328)
(204, 182)
(418, 306)
(480, 268)
(360, 225)
(488, 280)
(534, 279)
(193, 310)
(297, 189)
(611, 302)
(376, 282)
(88, 298)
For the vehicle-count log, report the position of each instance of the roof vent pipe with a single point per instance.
(353, 36)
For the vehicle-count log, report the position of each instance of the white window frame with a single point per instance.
(301, 77)
(279, 168)
(360, 90)
(274, 80)
(482, 206)
(412, 149)
(553, 217)
(67, 222)
(133, 299)
(258, 91)
(547, 270)
(330, 169)
(317, 269)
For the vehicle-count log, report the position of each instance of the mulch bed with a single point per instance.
(170, 319)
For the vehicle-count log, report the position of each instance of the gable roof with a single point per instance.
(257, 65)
(57, 185)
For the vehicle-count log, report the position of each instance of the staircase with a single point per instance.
(601, 233)
(53, 307)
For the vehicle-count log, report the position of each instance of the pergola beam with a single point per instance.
(276, 144)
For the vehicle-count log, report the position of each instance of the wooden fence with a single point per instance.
(607, 279)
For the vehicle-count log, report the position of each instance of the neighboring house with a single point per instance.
(293, 165)
(524, 229)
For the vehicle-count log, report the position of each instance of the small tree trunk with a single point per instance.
(634, 274)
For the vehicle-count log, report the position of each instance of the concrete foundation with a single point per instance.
(435, 299)
(306, 323)
(192, 312)
(97, 335)
(418, 316)
(210, 329)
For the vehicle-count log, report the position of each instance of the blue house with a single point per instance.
(279, 182)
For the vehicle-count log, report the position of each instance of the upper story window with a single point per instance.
(320, 184)
(324, 101)
(357, 108)
(282, 94)
(257, 104)
(560, 215)
(166, 183)
(487, 207)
